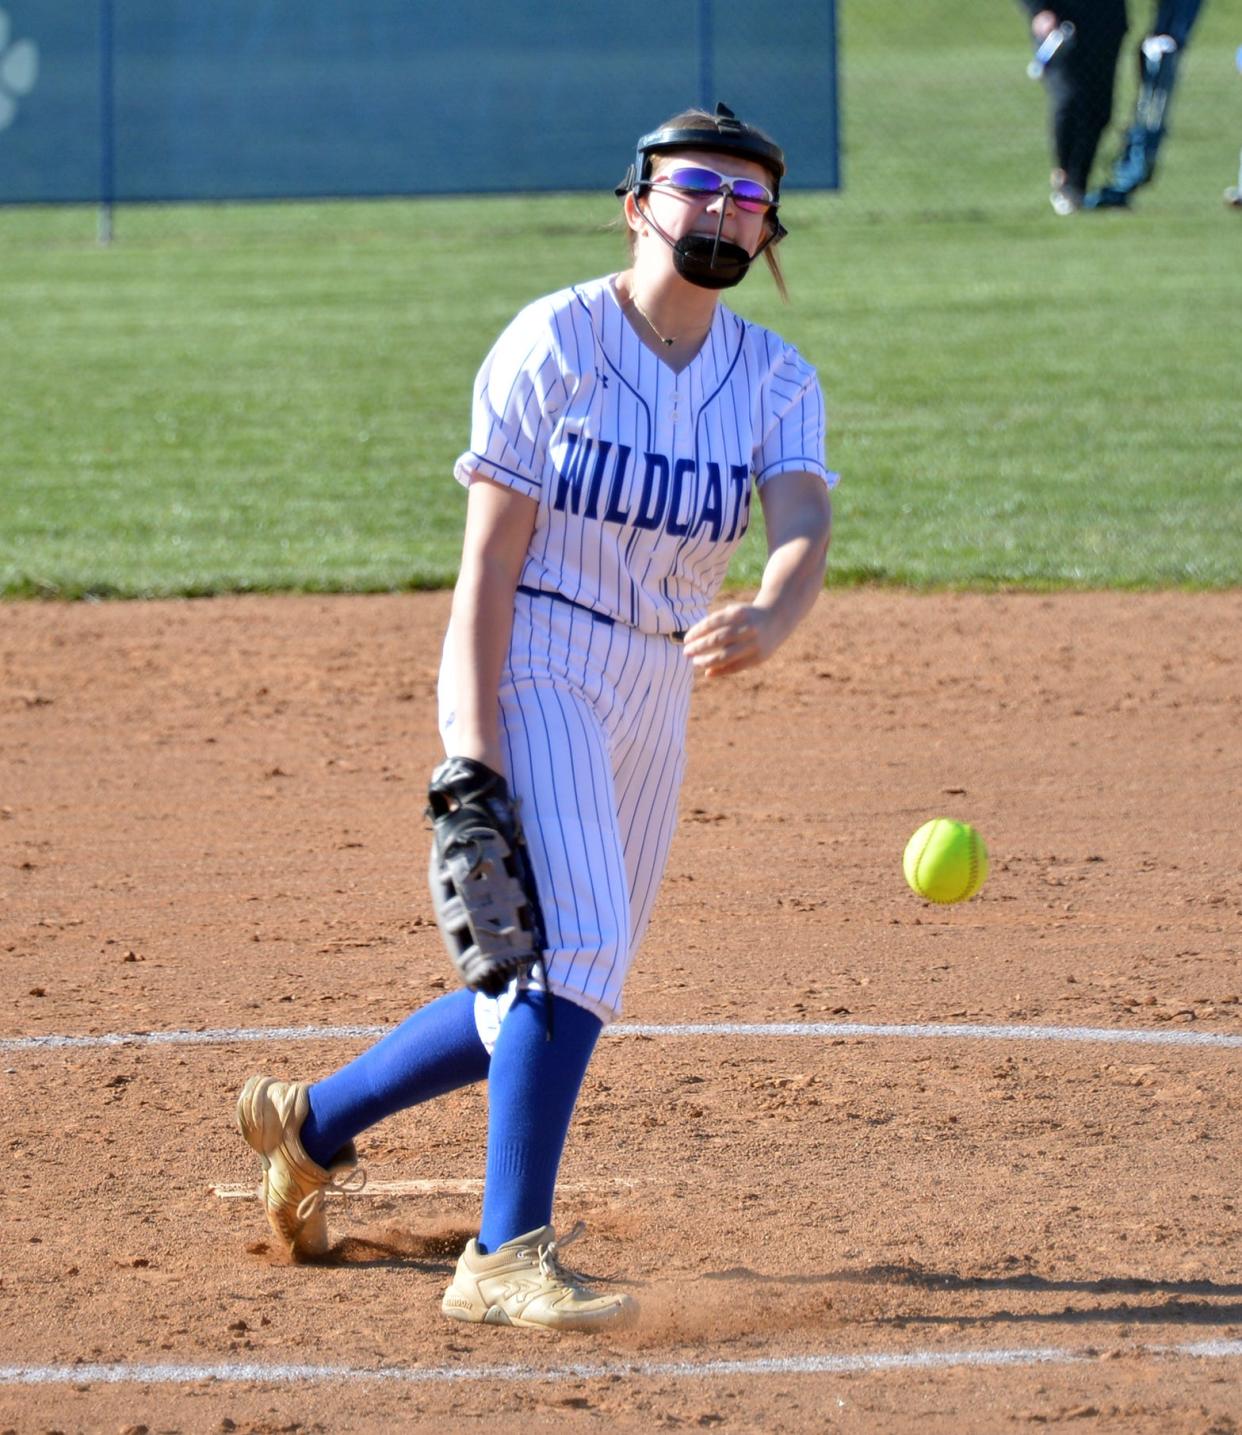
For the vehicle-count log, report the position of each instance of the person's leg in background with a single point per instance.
(1080, 89)
(1158, 57)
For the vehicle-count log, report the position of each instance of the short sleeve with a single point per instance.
(792, 422)
(515, 401)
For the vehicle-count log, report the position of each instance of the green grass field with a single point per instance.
(271, 396)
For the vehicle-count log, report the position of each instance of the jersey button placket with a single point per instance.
(676, 402)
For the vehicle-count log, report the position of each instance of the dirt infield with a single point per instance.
(210, 821)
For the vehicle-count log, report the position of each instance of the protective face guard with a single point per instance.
(710, 263)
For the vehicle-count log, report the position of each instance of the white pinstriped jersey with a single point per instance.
(643, 476)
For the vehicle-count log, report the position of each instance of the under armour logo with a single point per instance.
(602, 377)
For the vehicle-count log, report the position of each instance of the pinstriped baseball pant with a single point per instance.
(593, 725)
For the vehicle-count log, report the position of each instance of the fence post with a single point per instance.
(107, 125)
(834, 81)
(707, 59)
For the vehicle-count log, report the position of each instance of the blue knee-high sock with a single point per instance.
(531, 1089)
(434, 1051)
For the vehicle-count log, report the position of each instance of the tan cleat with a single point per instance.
(523, 1283)
(270, 1114)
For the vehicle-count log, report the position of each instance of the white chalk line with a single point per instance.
(424, 1186)
(278, 1374)
(824, 1030)
(834, 1030)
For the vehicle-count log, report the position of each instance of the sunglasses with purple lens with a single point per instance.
(747, 194)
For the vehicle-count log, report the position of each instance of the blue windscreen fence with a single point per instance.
(147, 100)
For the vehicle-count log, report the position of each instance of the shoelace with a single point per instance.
(550, 1266)
(347, 1185)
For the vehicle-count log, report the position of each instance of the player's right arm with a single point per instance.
(499, 524)
(517, 390)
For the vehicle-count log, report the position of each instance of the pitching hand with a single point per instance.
(732, 638)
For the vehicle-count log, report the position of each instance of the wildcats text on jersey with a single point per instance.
(644, 476)
(672, 495)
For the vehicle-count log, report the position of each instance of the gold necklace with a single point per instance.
(668, 343)
(646, 318)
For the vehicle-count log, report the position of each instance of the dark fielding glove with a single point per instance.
(482, 887)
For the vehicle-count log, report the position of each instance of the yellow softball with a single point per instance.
(945, 861)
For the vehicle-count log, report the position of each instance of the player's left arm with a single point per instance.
(797, 512)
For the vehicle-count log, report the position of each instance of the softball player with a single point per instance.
(1158, 57)
(619, 427)
(1080, 84)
